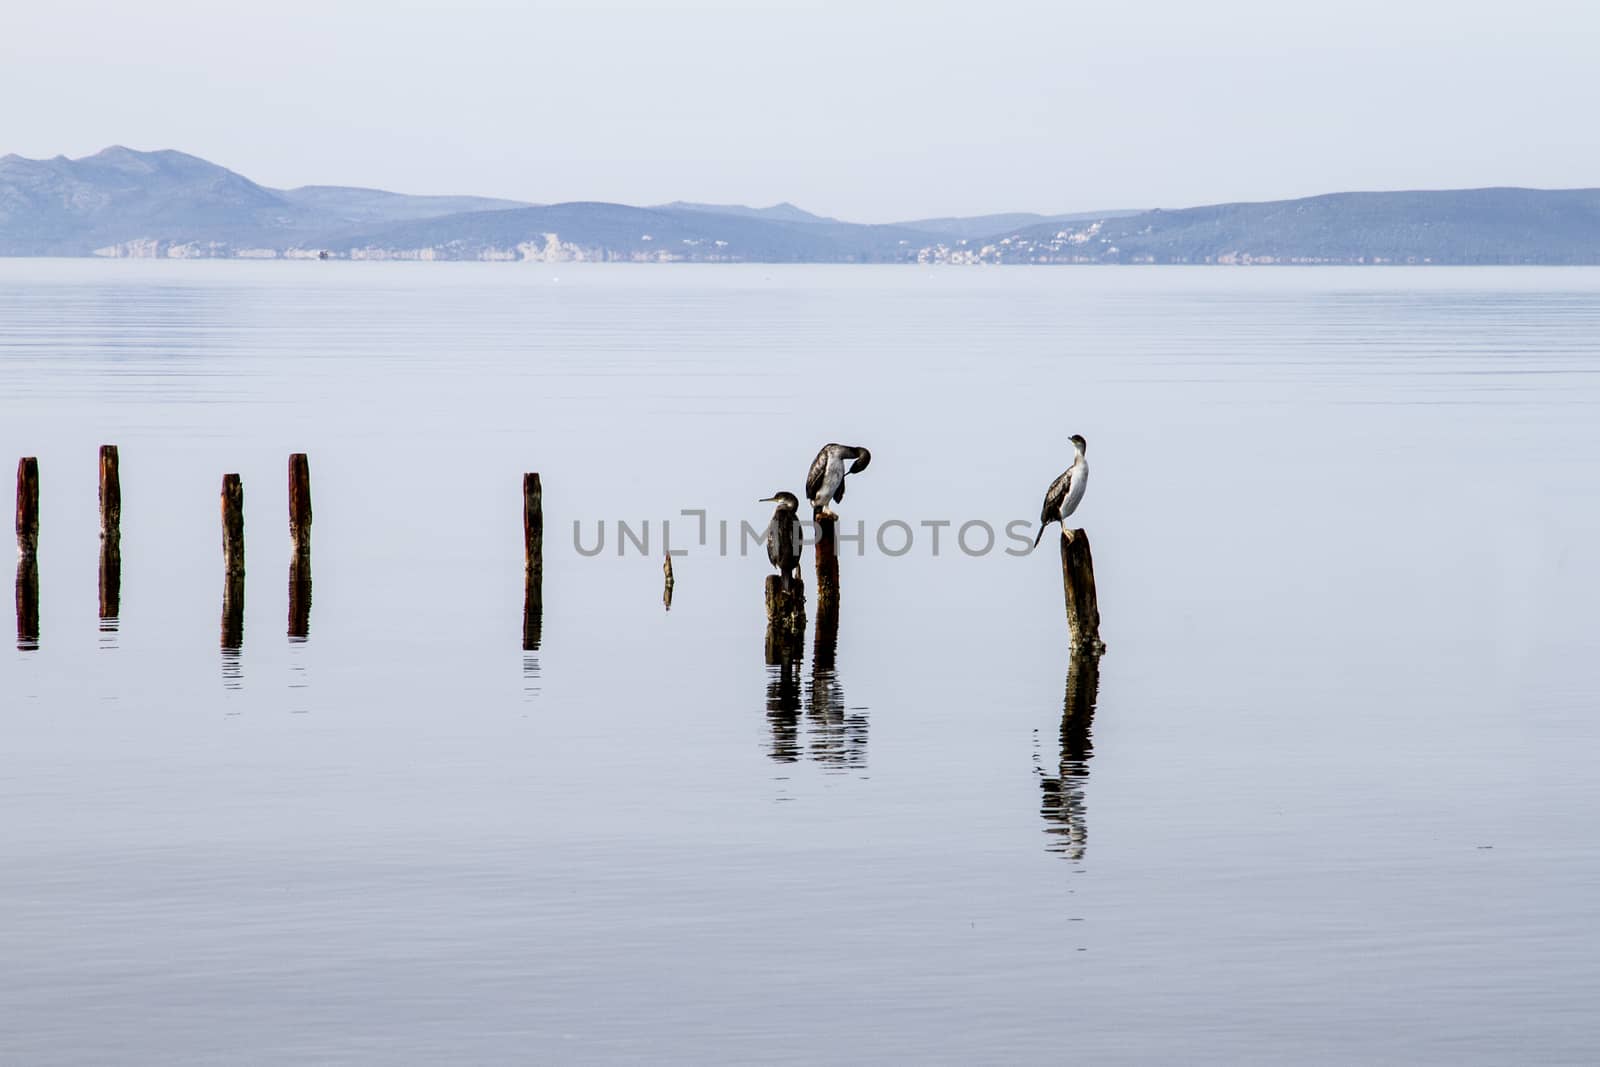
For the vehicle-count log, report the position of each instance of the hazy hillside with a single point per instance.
(158, 201)
(121, 202)
(991, 225)
(1464, 226)
(362, 207)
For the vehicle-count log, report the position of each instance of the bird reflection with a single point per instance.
(835, 737)
(1062, 804)
(27, 603)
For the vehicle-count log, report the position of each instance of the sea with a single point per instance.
(1329, 795)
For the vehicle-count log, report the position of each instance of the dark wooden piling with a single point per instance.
(28, 506)
(533, 526)
(786, 619)
(299, 627)
(827, 561)
(1077, 579)
(532, 562)
(27, 603)
(300, 503)
(110, 494)
(233, 525)
(110, 537)
(668, 582)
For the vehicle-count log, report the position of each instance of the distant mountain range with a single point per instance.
(125, 203)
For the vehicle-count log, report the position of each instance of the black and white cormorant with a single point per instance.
(785, 535)
(825, 482)
(1061, 499)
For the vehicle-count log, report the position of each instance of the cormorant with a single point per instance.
(1061, 499)
(825, 482)
(785, 535)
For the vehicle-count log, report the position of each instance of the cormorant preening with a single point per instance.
(1061, 499)
(784, 535)
(825, 482)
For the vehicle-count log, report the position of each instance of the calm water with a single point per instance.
(1336, 802)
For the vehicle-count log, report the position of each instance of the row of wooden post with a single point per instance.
(111, 549)
(785, 604)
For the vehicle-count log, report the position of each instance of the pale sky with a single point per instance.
(866, 110)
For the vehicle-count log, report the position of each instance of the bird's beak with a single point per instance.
(767, 500)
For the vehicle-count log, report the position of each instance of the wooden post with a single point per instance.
(533, 526)
(532, 562)
(827, 561)
(233, 525)
(110, 494)
(27, 603)
(300, 503)
(1077, 579)
(300, 545)
(28, 506)
(110, 538)
(786, 619)
(666, 588)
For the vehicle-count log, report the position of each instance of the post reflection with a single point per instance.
(838, 737)
(1062, 803)
(110, 589)
(300, 597)
(27, 603)
(785, 648)
(232, 631)
(532, 631)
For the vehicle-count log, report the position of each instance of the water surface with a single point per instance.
(1334, 802)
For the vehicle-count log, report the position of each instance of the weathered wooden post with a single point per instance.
(532, 561)
(300, 503)
(110, 494)
(1077, 579)
(110, 538)
(27, 553)
(28, 506)
(668, 583)
(786, 619)
(232, 525)
(827, 561)
(233, 571)
(300, 543)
